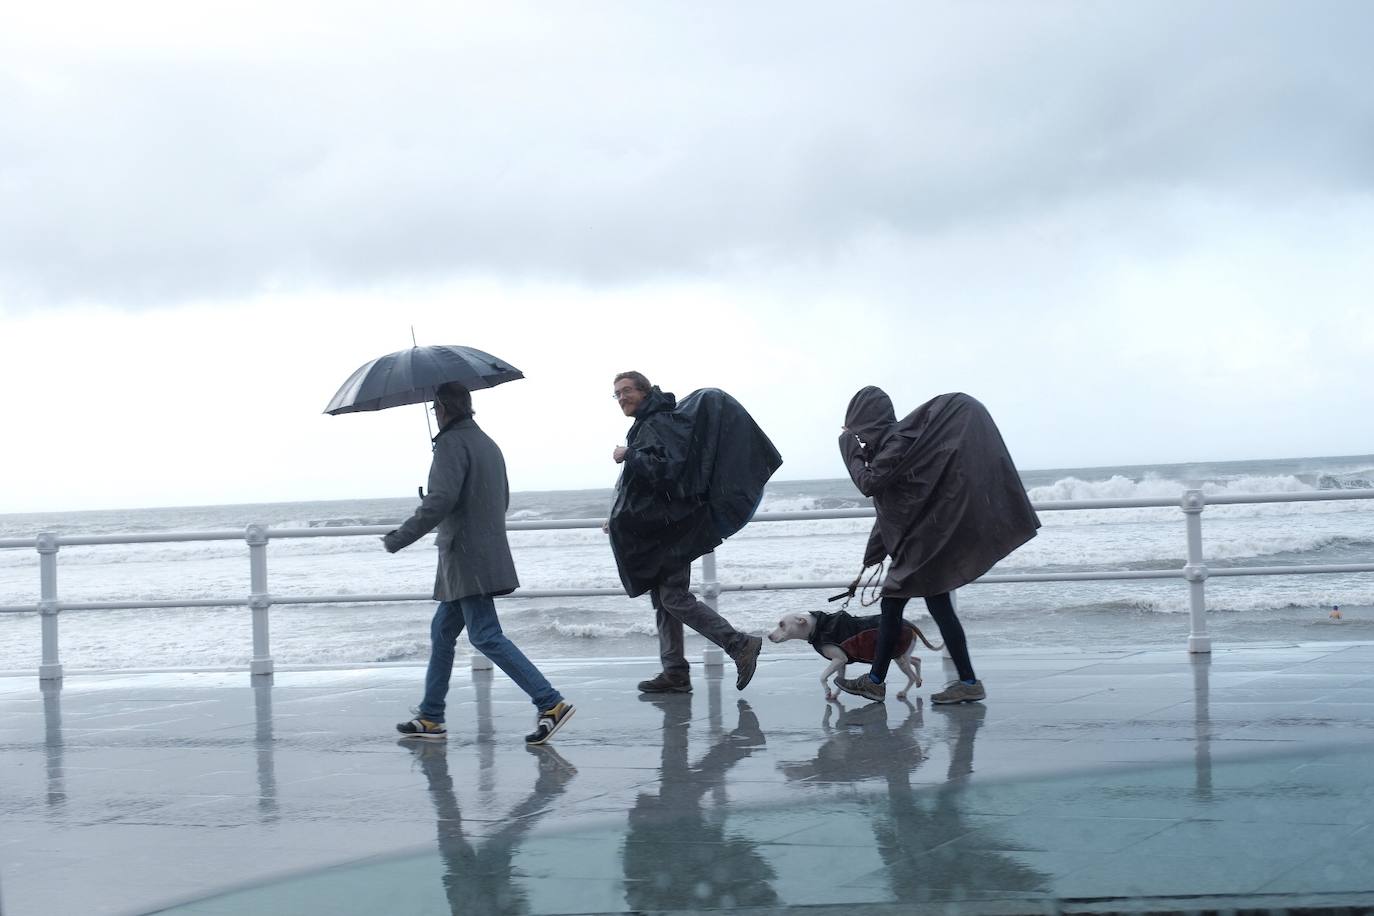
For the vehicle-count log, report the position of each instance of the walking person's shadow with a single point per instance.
(677, 854)
(861, 746)
(919, 831)
(479, 876)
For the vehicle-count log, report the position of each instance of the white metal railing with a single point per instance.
(1195, 571)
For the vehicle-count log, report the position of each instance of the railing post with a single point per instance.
(1195, 572)
(711, 656)
(50, 669)
(710, 588)
(258, 599)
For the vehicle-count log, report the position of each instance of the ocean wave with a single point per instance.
(564, 537)
(1123, 488)
(343, 522)
(811, 503)
(1315, 597)
(589, 630)
(1118, 607)
(1114, 487)
(1354, 480)
(401, 651)
(1277, 544)
(1293, 549)
(1090, 615)
(1120, 487)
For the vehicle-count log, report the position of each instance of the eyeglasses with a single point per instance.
(623, 392)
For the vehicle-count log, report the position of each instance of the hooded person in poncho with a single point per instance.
(950, 505)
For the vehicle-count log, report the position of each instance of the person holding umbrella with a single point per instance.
(467, 502)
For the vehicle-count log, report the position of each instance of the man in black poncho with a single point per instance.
(693, 474)
(950, 504)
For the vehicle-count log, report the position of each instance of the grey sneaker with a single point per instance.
(747, 661)
(664, 682)
(959, 692)
(862, 686)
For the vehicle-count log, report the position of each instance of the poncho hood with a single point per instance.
(870, 416)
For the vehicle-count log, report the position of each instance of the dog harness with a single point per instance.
(857, 637)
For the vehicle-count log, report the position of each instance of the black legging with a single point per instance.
(951, 631)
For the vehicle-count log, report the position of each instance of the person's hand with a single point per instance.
(619, 454)
(606, 527)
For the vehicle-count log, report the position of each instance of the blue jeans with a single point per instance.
(478, 614)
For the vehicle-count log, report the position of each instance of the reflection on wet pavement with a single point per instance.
(1084, 777)
(479, 877)
(677, 853)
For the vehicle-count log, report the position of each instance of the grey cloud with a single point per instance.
(638, 144)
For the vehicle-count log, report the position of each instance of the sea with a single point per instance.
(1242, 610)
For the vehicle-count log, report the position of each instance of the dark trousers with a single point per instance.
(951, 631)
(675, 605)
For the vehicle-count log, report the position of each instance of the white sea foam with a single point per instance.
(1114, 487)
(811, 503)
(590, 630)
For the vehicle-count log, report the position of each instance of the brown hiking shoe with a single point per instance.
(959, 692)
(746, 661)
(862, 686)
(664, 682)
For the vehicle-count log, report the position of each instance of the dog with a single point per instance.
(843, 638)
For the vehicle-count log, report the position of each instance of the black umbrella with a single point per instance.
(410, 377)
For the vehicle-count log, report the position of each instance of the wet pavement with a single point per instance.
(1088, 782)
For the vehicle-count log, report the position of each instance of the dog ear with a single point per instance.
(799, 618)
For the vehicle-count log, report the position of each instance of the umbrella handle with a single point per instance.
(421, 491)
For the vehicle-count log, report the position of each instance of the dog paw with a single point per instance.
(902, 695)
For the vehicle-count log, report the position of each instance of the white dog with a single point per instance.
(843, 638)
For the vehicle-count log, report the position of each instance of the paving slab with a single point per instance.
(1088, 782)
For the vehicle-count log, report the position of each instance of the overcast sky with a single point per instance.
(1138, 232)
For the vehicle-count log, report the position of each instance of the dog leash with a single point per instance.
(872, 585)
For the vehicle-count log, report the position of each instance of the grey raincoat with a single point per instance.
(950, 503)
(467, 501)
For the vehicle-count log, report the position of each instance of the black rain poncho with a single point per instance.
(693, 475)
(950, 503)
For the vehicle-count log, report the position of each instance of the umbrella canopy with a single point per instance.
(410, 377)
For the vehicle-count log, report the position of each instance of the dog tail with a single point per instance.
(922, 637)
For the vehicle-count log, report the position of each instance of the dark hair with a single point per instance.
(457, 400)
(638, 378)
